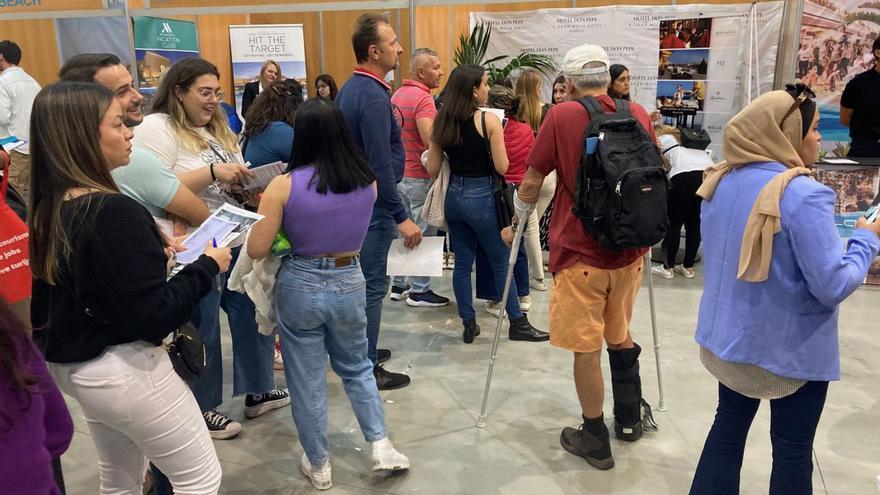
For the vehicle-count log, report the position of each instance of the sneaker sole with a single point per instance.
(623, 436)
(396, 387)
(397, 467)
(257, 411)
(314, 484)
(600, 464)
(426, 304)
(667, 277)
(396, 297)
(225, 434)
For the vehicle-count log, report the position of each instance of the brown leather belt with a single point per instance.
(343, 261)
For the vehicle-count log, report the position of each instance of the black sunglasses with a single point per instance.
(800, 93)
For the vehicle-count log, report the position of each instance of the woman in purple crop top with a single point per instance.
(324, 203)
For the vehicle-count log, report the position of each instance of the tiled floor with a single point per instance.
(532, 398)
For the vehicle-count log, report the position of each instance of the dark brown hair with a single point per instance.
(330, 82)
(277, 103)
(366, 34)
(83, 67)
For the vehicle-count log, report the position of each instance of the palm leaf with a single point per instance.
(472, 49)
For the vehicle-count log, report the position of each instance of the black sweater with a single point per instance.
(117, 270)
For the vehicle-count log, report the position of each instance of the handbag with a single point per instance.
(15, 270)
(502, 192)
(434, 208)
(187, 352)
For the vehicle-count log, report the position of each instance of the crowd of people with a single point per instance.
(114, 188)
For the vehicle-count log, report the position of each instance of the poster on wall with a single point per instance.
(252, 45)
(689, 62)
(835, 46)
(158, 44)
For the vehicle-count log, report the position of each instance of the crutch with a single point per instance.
(662, 405)
(511, 261)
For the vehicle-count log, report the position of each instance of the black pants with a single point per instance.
(683, 208)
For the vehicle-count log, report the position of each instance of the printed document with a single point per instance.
(224, 226)
(263, 175)
(426, 260)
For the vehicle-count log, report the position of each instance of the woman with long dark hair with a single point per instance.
(560, 90)
(35, 426)
(776, 272)
(325, 87)
(467, 134)
(188, 131)
(323, 203)
(102, 302)
(619, 87)
(268, 133)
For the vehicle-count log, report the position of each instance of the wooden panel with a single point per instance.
(221, 3)
(309, 20)
(214, 45)
(22, 6)
(433, 31)
(39, 52)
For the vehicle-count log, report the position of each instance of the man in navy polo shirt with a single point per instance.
(365, 100)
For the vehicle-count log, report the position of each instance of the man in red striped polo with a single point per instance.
(415, 106)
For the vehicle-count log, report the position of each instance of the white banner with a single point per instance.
(254, 44)
(631, 35)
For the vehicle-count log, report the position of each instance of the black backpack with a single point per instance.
(620, 189)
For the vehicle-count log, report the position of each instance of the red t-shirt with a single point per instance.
(558, 147)
(414, 101)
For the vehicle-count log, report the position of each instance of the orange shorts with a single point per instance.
(591, 304)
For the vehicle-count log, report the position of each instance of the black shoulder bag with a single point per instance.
(501, 191)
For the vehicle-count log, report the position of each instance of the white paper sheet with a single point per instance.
(426, 260)
(839, 161)
(263, 175)
(224, 226)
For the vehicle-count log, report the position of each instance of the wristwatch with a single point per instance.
(514, 223)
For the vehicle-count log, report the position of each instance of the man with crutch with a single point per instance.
(594, 287)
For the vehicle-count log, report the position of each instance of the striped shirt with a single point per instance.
(414, 101)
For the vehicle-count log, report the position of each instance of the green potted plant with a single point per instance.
(472, 48)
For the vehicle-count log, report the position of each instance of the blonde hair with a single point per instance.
(65, 136)
(181, 76)
(663, 129)
(263, 81)
(530, 106)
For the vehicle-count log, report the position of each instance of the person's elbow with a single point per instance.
(258, 250)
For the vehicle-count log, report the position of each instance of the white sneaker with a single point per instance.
(494, 308)
(537, 284)
(387, 458)
(685, 272)
(279, 362)
(662, 271)
(320, 477)
(525, 303)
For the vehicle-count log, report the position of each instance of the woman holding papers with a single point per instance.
(268, 134)
(188, 131)
(102, 305)
(323, 204)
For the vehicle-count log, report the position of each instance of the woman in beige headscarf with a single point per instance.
(775, 273)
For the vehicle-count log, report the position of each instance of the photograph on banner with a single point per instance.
(685, 33)
(158, 44)
(683, 64)
(835, 46)
(254, 45)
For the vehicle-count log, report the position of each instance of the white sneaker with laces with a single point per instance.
(685, 272)
(494, 308)
(320, 477)
(387, 458)
(662, 271)
(525, 303)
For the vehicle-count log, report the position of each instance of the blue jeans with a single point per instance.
(470, 215)
(412, 194)
(253, 353)
(321, 311)
(374, 264)
(793, 422)
(486, 288)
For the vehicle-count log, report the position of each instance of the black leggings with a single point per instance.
(683, 208)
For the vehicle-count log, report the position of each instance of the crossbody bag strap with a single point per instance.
(492, 171)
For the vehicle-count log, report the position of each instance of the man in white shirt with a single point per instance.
(17, 93)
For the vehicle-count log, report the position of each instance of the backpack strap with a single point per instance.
(591, 105)
(621, 106)
(486, 142)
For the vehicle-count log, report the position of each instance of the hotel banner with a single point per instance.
(252, 45)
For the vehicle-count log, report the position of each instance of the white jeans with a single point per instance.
(137, 406)
(532, 234)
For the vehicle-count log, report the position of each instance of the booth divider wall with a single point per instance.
(327, 30)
